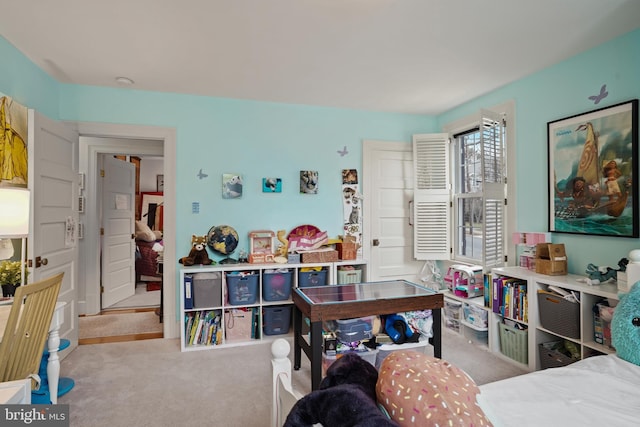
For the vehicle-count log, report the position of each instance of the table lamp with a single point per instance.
(14, 218)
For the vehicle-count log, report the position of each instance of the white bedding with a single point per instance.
(597, 391)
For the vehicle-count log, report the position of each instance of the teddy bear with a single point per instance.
(625, 326)
(198, 254)
(345, 397)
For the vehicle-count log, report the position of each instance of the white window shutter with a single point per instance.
(432, 195)
(494, 187)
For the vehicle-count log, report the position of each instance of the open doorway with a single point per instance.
(130, 269)
(128, 139)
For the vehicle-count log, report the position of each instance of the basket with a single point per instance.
(349, 276)
(242, 289)
(550, 357)
(513, 343)
(559, 315)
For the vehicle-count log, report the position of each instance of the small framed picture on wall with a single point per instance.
(272, 185)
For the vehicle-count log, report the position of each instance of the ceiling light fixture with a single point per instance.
(125, 81)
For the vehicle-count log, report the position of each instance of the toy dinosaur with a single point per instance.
(602, 274)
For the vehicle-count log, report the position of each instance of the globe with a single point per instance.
(222, 239)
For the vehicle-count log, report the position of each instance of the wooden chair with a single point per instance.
(27, 328)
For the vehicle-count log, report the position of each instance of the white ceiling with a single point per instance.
(410, 56)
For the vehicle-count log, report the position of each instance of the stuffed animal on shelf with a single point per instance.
(198, 254)
(625, 326)
(345, 397)
(599, 275)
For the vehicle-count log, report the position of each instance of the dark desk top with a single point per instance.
(367, 291)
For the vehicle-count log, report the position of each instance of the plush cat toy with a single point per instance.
(625, 326)
(198, 254)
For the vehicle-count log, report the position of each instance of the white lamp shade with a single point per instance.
(14, 212)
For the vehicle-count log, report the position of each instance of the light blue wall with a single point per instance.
(262, 139)
(26, 83)
(256, 140)
(554, 93)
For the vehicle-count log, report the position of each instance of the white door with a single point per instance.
(118, 244)
(388, 196)
(53, 181)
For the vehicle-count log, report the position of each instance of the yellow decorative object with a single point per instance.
(284, 247)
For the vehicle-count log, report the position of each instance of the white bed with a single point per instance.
(598, 391)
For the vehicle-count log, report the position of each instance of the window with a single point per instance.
(479, 192)
(460, 192)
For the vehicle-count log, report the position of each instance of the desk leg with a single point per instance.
(316, 354)
(53, 364)
(297, 336)
(436, 341)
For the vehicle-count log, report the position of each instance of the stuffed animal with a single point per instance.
(625, 326)
(345, 397)
(198, 254)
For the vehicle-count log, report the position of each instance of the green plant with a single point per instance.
(10, 273)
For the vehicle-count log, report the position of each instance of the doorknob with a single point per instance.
(41, 261)
(376, 242)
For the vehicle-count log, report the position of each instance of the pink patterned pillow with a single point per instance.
(418, 390)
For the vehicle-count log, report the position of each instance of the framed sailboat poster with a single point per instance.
(593, 172)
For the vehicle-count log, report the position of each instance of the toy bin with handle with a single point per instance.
(242, 289)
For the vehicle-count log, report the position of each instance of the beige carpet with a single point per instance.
(151, 383)
(108, 325)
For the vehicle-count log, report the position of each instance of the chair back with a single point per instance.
(27, 328)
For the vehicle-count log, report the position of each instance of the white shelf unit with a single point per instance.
(588, 296)
(454, 317)
(528, 317)
(331, 269)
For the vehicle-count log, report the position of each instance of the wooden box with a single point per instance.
(347, 250)
(551, 259)
(319, 256)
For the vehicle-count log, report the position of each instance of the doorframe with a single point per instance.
(116, 139)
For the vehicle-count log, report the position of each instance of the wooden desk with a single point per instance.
(333, 302)
(53, 344)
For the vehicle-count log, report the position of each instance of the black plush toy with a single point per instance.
(346, 397)
(198, 254)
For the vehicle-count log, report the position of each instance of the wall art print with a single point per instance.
(13, 143)
(593, 172)
(272, 185)
(309, 182)
(231, 186)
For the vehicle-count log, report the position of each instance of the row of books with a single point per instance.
(203, 327)
(507, 296)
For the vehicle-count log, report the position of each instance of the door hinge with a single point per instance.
(102, 173)
(101, 231)
(101, 289)
(505, 258)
